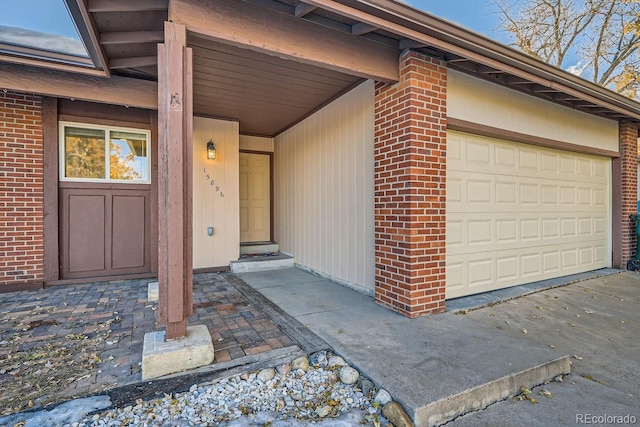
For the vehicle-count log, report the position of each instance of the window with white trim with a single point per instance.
(93, 153)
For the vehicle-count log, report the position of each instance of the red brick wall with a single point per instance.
(410, 187)
(629, 188)
(21, 190)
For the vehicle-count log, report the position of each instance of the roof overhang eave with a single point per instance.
(475, 47)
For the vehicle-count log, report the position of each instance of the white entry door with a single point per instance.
(255, 197)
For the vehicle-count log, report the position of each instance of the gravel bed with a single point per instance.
(321, 389)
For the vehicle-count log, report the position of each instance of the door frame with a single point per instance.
(56, 110)
(271, 188)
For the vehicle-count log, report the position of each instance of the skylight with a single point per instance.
(41, 29)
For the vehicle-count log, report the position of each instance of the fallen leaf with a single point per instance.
(545, 393)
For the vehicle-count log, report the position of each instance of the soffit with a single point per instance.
(267, 94)
(264, 93)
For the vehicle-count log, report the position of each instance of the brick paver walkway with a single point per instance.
(113, 317)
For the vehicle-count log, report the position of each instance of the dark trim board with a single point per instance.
(87, 280)
(50, 174)
(17, 287)
(224, 269)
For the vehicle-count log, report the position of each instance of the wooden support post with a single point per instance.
(175, 124)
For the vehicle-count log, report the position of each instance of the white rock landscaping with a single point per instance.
(326, 395)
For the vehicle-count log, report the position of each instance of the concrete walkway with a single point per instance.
(443, 366)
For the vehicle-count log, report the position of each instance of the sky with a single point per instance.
(50, 16)
(473, 14)
(32, 22)
(46, 16)
(478, 16)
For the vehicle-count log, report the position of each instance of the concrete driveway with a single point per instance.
(597, 323)
(445, 365)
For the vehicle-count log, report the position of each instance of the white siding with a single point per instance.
(324, 188)
(210, 209)
(489, 104)
(256, 143)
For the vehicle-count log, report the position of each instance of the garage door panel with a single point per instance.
(510, 231)
(476, 192)
(480, 272)
(506, 231)
(520, 213)
(480, 232)
(479, 191)
(500, 269)
(551, 261)
(524, 161)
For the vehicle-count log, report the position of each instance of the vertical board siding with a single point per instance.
(324, 189)
(209, 208)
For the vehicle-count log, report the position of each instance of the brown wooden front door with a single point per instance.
(105, 229)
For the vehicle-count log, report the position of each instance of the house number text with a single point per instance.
(212, 182)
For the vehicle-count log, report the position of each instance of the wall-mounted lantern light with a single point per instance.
(211, 150)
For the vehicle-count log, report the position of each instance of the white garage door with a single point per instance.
(518, 213)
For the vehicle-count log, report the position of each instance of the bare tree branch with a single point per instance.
(602, 36)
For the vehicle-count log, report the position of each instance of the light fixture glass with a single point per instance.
(211, 150)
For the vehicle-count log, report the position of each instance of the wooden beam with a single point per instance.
(303, 9)
(128, 37)
(50, 198)
(86, 26)
(488, 70)
(142, 61)
(361, 28)
(263, 30)
(175, 240)
(411, 44)
(127, 5)
(115, 90)
(53, 65)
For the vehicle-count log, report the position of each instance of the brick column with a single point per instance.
(628, 193)
(410, 187)
(21, 192)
